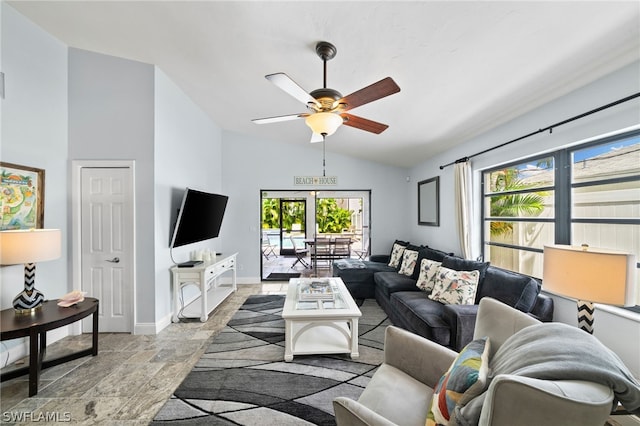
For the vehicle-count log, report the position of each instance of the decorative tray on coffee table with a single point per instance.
(316, 290)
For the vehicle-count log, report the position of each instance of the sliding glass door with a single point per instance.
(298, 218)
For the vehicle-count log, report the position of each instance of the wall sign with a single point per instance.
(315, 180)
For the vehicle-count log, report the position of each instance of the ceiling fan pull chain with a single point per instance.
(323, 155)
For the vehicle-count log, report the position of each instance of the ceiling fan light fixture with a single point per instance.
(324, 123)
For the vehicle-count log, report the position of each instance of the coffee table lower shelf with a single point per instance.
(320, 337)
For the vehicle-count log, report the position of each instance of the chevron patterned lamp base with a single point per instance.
(585, 315)
(30, 298)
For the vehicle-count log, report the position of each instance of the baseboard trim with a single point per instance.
(248, 280)
(152, 327)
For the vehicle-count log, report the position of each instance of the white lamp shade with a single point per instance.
(590, 274)
(29, 245)
(324, 122)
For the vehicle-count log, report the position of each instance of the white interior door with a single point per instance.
(107, 245)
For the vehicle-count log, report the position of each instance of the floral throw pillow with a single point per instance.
(427, 278)
(409, 259)
(396, 255)
(465, 379)
(455, 287)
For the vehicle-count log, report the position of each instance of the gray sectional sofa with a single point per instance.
(450, 325)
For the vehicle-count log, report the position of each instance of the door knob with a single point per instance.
(114, 260)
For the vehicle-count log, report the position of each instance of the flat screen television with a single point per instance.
(199, 217)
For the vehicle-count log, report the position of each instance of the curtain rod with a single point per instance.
(549, 128)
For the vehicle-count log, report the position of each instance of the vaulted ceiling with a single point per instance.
(463, 67)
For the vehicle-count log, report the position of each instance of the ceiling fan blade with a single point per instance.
(316, 137)
(279, 118)
(284, 82)
(373, 92)
(363, 123)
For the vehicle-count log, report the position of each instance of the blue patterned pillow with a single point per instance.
(465, 379)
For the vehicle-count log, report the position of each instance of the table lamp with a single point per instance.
(590, 275)
(29, 246)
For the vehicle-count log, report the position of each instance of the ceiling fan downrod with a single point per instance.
(326, 51)
(325, 96)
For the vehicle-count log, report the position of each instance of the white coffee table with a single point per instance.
(320, 326)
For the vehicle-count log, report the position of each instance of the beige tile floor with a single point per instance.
(129, 380)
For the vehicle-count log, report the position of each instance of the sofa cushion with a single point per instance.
(455, 287)
(359, 273)
(390, 282)
(514, 289)
(397, 396)
(460, 264)
(431, 254)
(427, 277)
(396, 253)
(359, 281)
(420, 315)
(465, 379)
(409, 261)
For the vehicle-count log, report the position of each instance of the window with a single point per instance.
(588, 194)
(519, 214)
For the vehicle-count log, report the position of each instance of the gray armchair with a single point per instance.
(400, 391)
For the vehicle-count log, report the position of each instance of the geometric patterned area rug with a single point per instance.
(242, 378)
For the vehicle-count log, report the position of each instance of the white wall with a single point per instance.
(187, 154)
(122, 109)
(252, 165)
(111, 117)
(34, 133)
(621, 334)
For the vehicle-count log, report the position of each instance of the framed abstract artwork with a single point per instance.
(429, 202)
(21, 197)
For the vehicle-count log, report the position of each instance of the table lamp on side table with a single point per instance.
(29, 246)
(590, 275)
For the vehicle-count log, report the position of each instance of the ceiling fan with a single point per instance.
(327, 107)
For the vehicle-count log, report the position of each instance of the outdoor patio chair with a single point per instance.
(268, 249)
(322, 250)
(300, 253)
(362, 254)
(342, 248)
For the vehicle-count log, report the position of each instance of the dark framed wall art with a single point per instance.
(429, 202)
(21, 197)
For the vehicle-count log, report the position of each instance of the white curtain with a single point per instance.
(464, 209)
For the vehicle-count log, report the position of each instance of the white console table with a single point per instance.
(212, 292)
